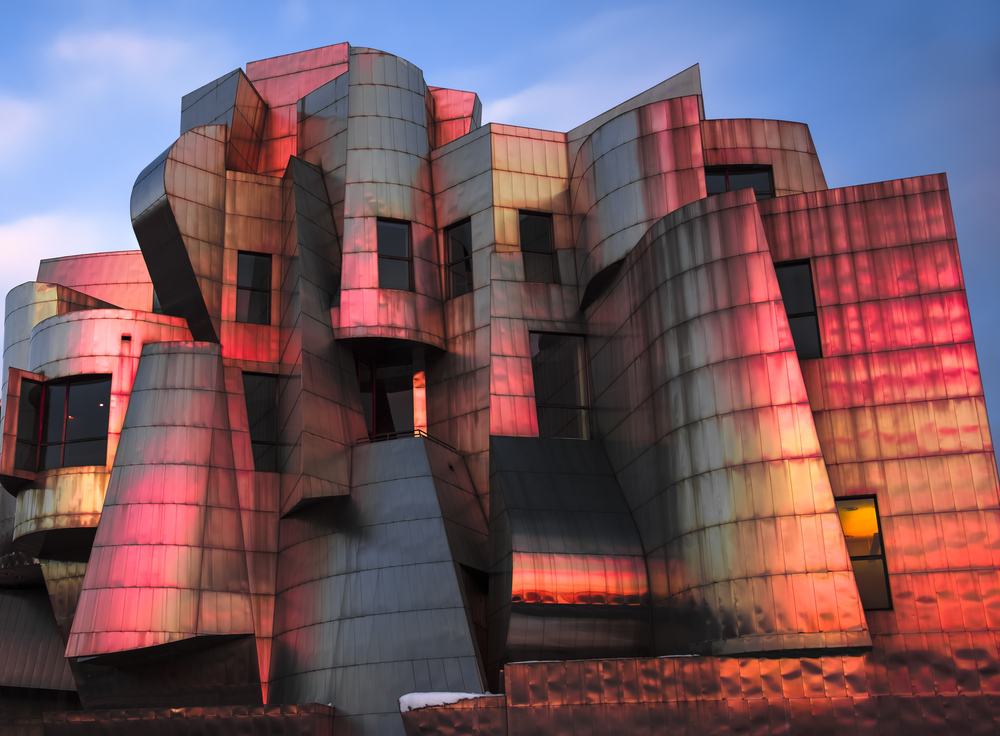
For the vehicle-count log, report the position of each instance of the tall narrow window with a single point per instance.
(536, 247)
(562, 393)
(260, 391)
(720, 179)
(63, 423)
(394, 255)
(863, 534)
(393, 398)
(253, 289)
(795, 282)
(459, 243)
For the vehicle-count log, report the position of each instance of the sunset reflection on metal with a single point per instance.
(638, 425)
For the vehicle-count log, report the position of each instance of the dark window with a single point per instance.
(459, 244)
(863, 534)
(394, 262)
(795, 282)
(63, 423)
(387, 397)
(261, 393)
(253, 289)
(720, 179)
(562, 394)
(536, 248)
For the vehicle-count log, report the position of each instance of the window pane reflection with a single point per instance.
(536, 247)
(253, 289)
(796, 285)
(394, 255)
(389, 400)
(63, 424)
(260, 391)
(459, 241)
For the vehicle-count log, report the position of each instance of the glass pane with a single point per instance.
(805, 335)
(265, 458)
(860, 522)
(25, 455)
(538, 267)
(460, 241)
(54, 413)
(93, 452)
(715, 182)
(759, 181)
(253, 307)
(461, 277)
(394, 399)
(253, 271)
(795, 282)
(365, 386)
(872, 586)
(29, 411)
(559, 365)
(536, 233)
(261, 394)
(393, 274)
(393, 240)
(89, 408)
(49, 457)
(561, 422)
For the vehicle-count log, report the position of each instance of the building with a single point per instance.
(640, 425)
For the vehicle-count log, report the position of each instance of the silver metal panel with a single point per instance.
(31, 650)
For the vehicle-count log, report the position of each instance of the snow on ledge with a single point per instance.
(413, 701)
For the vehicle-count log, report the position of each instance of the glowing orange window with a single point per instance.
(863, 533)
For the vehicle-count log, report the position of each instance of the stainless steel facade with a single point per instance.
(331, 475)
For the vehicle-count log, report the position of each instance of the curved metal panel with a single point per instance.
(784, 146)
(169, 547)
(567, 572)
(120, 278)
(704, 416)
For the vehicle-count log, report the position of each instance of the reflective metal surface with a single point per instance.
(699, 515)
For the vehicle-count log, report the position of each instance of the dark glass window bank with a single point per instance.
(63, 423)
(536, 247)
(260, 390)
(720, 179)
(253, 289)
(395, 262)
(458, 241)
(562, 391)
(796, 284)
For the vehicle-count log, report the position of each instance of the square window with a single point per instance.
(536, 247)
(394, 255)
(253, 288)
(459, 243)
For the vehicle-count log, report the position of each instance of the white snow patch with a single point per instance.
(412, 701)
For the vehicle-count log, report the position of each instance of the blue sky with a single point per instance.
(90, 93)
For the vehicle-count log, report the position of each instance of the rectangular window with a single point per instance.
(260, 390)
(253, 289)
(63, 423)
(394, 255)
(536, 248)
(796, 284)
(562, 392)
(720, 179)
(393, 398)
(459, 243)
(863, 534)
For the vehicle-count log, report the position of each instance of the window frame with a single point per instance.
(409, 253)
(588, 409)
(552, 247)
(38, 444)
(815, 310)
(726, 169)
(252, 289)
(881, 556)
(452, 263)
